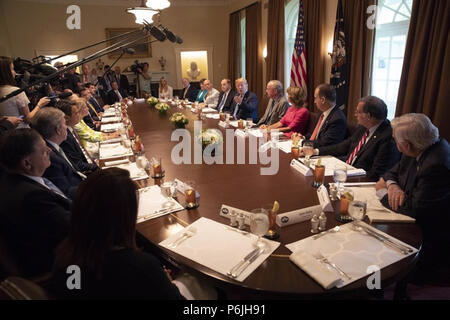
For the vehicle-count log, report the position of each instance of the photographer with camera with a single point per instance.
(16, 106)
(144, 78)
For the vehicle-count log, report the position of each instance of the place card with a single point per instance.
(324, 199)
(240, 133)
(296, 216)
(300, 167)
(222, 124)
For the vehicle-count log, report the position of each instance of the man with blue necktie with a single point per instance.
(34, 215)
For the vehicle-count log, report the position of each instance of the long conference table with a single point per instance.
(242, 186)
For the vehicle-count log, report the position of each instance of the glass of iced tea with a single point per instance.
(190, 195)
(346, 197)
(295, 152)
(157, 171)
(222, 116)
(319, 175)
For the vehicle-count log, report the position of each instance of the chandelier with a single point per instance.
(145, 12)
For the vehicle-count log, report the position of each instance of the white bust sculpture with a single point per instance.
(193, 72)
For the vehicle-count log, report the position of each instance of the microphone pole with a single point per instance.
(70, 66)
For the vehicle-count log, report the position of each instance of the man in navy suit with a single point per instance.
(116, 94)
(34, 214)
(226, 96)
(98, 107)
(189, 92)
(419, 186)
(371, 147)
(51, 124)
(245, 104)
(331, 127)
(72, 146)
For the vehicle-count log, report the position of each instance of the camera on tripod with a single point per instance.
(134, 67)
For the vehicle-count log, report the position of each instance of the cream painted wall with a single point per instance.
(199, 27)
(24, 35)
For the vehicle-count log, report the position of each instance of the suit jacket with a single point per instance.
(191, 93)
(248, 108)
(378, 155)
(34, 220)
(61, 173)
(333, 130)
(96, 105)
(427, 189)
(279, 109)
(75, 154)
(112, 96)
(228, 103)
(123, 83)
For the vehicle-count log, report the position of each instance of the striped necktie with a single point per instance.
(358, 147)
(316, 129)
(54, 188)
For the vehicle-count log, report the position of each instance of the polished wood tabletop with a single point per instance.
(242, 186)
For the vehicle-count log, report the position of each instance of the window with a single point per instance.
(393, 18)
(290, 30)
(242, 16)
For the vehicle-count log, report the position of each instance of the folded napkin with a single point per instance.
(285, 146)
(110, 119)
(215, 116)
(208, 109)
(315, 269)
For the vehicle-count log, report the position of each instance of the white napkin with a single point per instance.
(284, 146)
(315, 269)
(208, 109)
(151, 201)
(114, 150)
(256, 132)
(110, 119)
(135, 172)
(215, 116)
(111, 126)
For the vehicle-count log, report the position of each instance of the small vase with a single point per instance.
(179, 125)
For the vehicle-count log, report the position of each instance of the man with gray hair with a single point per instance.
(419, 186)
(371, 147)
(51, 124)
(277, 106)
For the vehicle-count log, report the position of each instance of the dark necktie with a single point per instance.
(270, 112)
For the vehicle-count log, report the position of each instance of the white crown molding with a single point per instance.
(132, 3)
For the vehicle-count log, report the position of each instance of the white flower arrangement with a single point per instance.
(179, 119)
(162, 107)
(210, 136)
(152, 101)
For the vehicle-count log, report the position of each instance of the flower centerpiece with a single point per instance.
(152, 101)
(162, 107)
(209, 137)
(179, 120)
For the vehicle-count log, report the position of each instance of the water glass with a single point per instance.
(259, 224)
(357, 209)
(340, 175)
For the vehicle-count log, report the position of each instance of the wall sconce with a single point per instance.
(265, 52)
(330, 48)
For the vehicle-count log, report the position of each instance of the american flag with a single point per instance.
(298, 69)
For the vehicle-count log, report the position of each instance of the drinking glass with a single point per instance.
(308, 150)
(227, 117)
(259, 224)
(357, 210)
(249, 123)
(157, 167)
(346, 197)
(319, 175)
(222, 116)
(167, 190)
(339, 175)
(295, 152)
(190, 195)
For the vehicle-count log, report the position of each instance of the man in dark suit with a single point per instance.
(226, 96)
(122, 80)
(51, 124)
(34, 213)
(331, 127)
(72, 146)
(98, 107)
(189, 92)
(115, 94)
(245, 104)
(419, 186)
(371, 147)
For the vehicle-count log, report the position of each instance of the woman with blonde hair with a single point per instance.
(165, 91)
(296, 117)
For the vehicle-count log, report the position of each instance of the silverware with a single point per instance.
(240, 263)
(335, 229)
(191, 231)
(245, 233)
(154, 213)
(322, 259)
(395, 245)
(247, 263)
